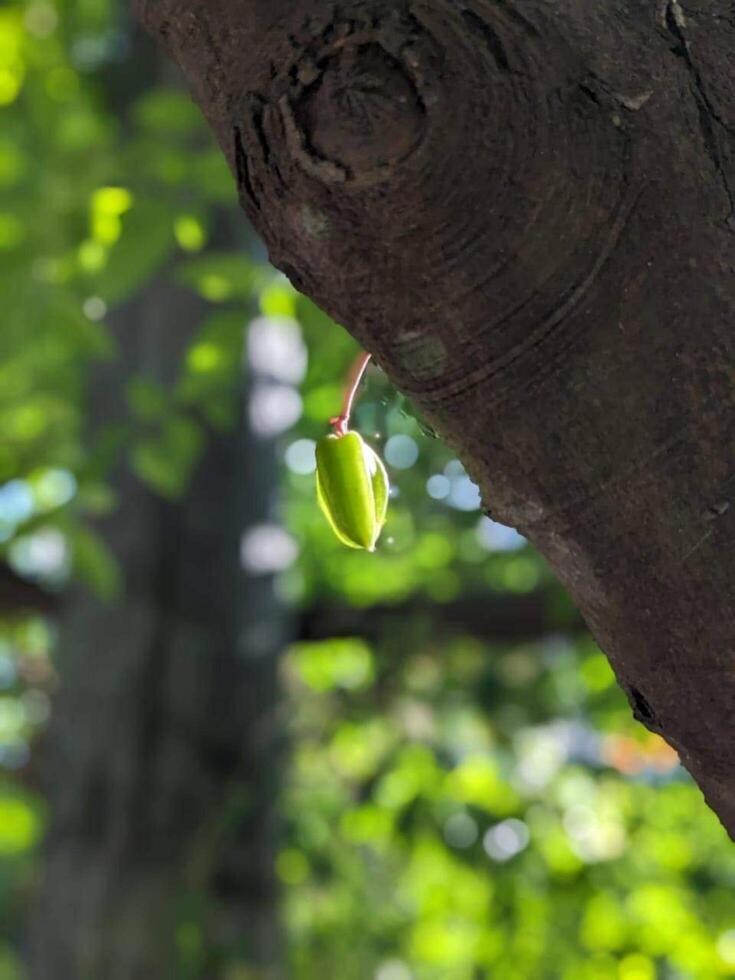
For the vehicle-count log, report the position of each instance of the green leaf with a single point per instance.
(221, 276)
(94, 563)
(147, 399)
(145, 243)
(339, 663)
(96, 498)
(20, 825)
(211, 176)
(167, 112)
(165, 461)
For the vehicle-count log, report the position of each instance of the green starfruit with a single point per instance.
(352, 489)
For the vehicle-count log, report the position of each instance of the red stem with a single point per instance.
(341, 422)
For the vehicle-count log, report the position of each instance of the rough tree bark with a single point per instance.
(524, 210)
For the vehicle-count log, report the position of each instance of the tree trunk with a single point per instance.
(163, 749)
(524, 211)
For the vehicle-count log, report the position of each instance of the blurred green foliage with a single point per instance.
(455, 807)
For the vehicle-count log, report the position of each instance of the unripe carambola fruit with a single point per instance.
(352, 489)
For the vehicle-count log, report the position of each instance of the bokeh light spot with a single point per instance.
(506, 839)
(460, 830)
(401, 451)
(94, 308)
(276, 349)
(54, 488)
(189, 233)
(274, 408)
(497, 537)
(301, 456)
(266, 549)
(16, 502)
(726, 947)
(438, 486)
(393, 970)
(464, 494)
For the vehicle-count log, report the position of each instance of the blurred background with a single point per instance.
(230, 748)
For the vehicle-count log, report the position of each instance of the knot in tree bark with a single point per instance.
(363, 112)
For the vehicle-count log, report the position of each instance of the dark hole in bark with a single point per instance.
(295, 279)
(641, 708)
(244, 182)
(680, 48)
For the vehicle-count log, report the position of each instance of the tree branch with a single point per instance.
(523, 211)
(497, 619)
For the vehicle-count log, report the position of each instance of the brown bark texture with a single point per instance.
(524, 210)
